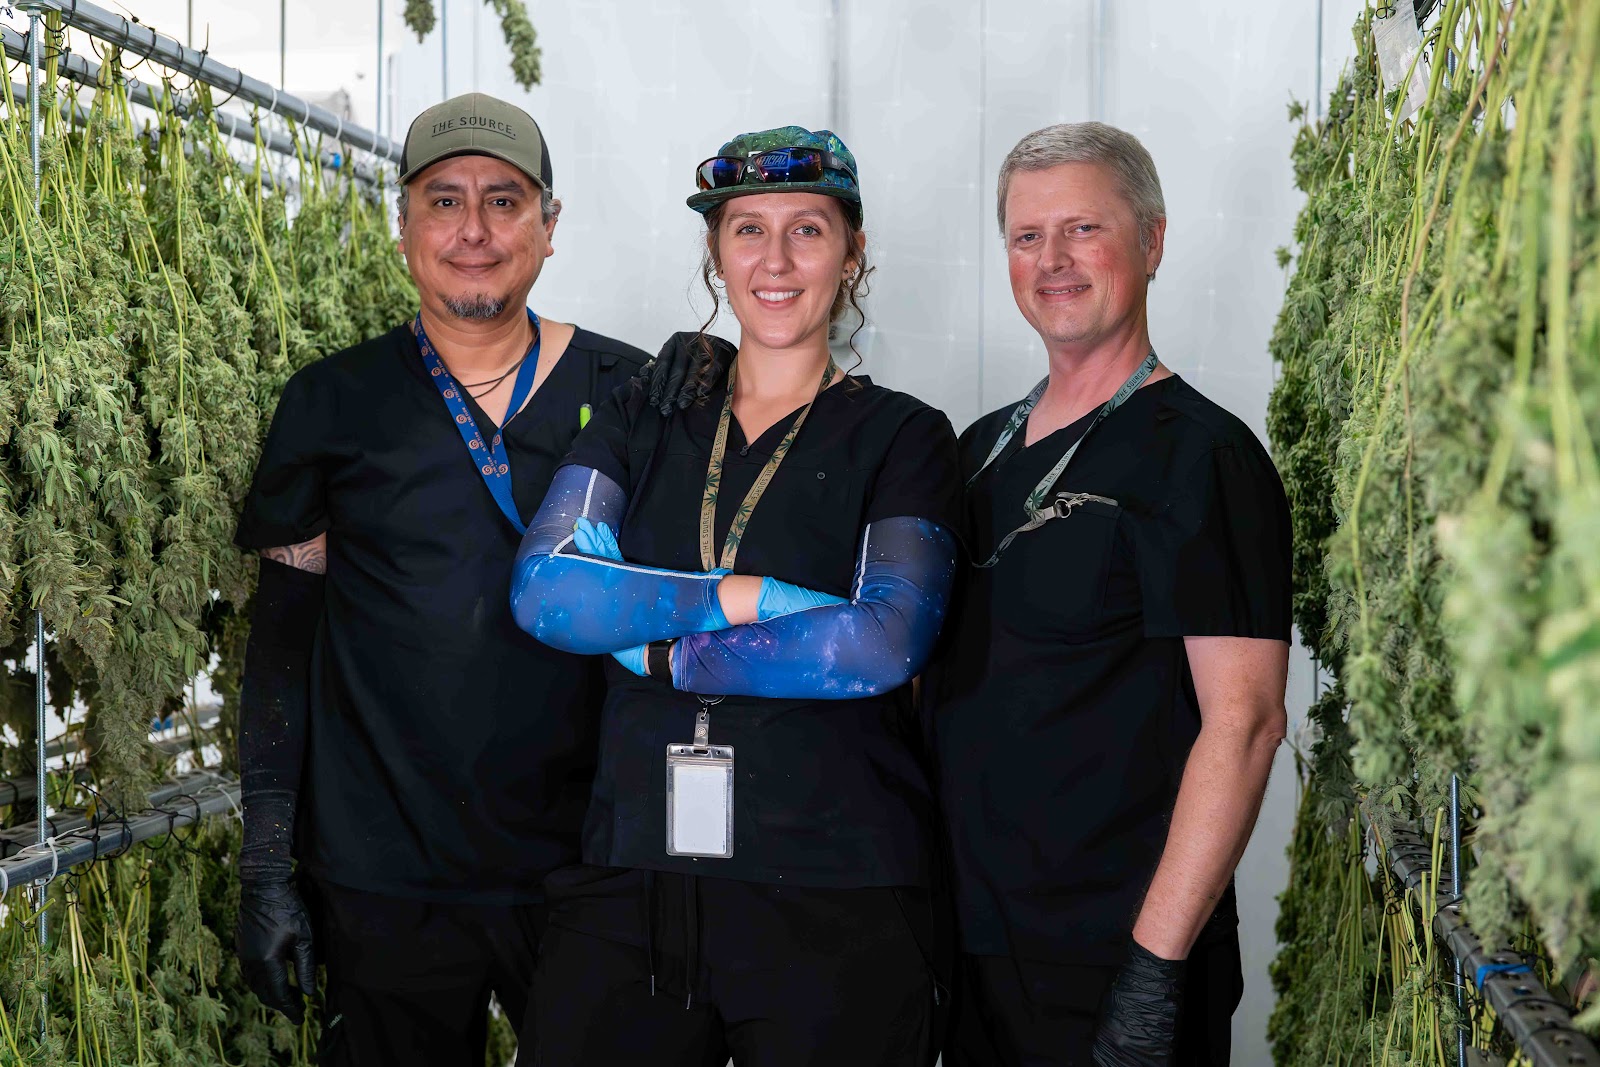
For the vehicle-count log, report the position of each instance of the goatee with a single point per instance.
(478, 306)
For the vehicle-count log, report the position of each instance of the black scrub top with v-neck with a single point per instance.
(827, 793)
(1063, 705)
(449, 753)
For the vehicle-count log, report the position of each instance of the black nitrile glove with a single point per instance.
(671, 379)
(1139, 1015)
(275, 932)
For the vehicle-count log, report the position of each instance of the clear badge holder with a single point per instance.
(700, 793)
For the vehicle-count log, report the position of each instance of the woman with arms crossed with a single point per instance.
(759, 846)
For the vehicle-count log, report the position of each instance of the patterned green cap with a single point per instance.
(833, 183)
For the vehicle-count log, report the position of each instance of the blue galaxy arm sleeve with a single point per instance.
(874, 643)
(589, 605)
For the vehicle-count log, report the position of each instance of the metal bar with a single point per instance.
(1097, 61)
(91, 842)
(42, 796)
(1537, 1022)
(86, 72)
(145, 41)
(377, 119)
(19, 838)
(835, 66)
(1316, 93)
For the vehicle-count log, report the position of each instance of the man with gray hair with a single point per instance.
(424, 760)
(1111, 694)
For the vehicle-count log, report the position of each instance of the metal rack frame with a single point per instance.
(205, 793)
(145, 41)
(86, 72)
(1539, 1023)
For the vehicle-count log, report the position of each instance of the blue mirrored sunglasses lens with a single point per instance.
(720, 173)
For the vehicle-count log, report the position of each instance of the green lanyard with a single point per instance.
(741, 518)
(1038, 514)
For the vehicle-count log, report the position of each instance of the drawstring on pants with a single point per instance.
(691, 936)
(650, 927)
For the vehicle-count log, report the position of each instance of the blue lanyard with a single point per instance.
(491, 460)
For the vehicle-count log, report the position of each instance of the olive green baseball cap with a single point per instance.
(476, 124)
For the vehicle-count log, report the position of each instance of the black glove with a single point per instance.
(673, 379)
(1139, 1015)
(274, 931)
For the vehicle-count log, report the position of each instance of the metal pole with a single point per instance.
(189, 39)
(835, 62)
(34, 66)
(42, 798)
(1455, 891)
(1316, 93)
(377, 119)
(283, 44)
(983, 162)
(1097, 59)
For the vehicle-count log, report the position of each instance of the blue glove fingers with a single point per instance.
(595, 539)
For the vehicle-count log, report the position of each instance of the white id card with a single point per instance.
(700, 801)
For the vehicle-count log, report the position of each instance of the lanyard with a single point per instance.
(1033, 505)
(491, 460)
(708, 501)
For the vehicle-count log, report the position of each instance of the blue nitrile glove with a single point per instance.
(632, 658)
(595, 539)
(782, 598)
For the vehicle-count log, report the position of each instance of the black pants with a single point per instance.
(408, 981)
(1025, 1013)
(662, 969)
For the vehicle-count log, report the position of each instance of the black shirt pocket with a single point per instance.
(1053, 579)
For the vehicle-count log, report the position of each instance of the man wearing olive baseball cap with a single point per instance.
(388, 742)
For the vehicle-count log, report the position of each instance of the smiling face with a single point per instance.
(473, 238)
(783, 257)
(1078, 269)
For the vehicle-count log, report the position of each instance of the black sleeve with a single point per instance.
(920, 476)
(288, 501)
(603, 444)
(274, 705)
(1215, 563)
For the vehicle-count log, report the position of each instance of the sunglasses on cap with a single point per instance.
(797, 165)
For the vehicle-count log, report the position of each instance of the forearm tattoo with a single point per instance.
(309, 555)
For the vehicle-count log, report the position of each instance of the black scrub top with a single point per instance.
(832, 793)
(1063, 705)
(449, 754)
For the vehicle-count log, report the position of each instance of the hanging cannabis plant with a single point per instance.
(1435, 425)
(151, 309)
(518, 31)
